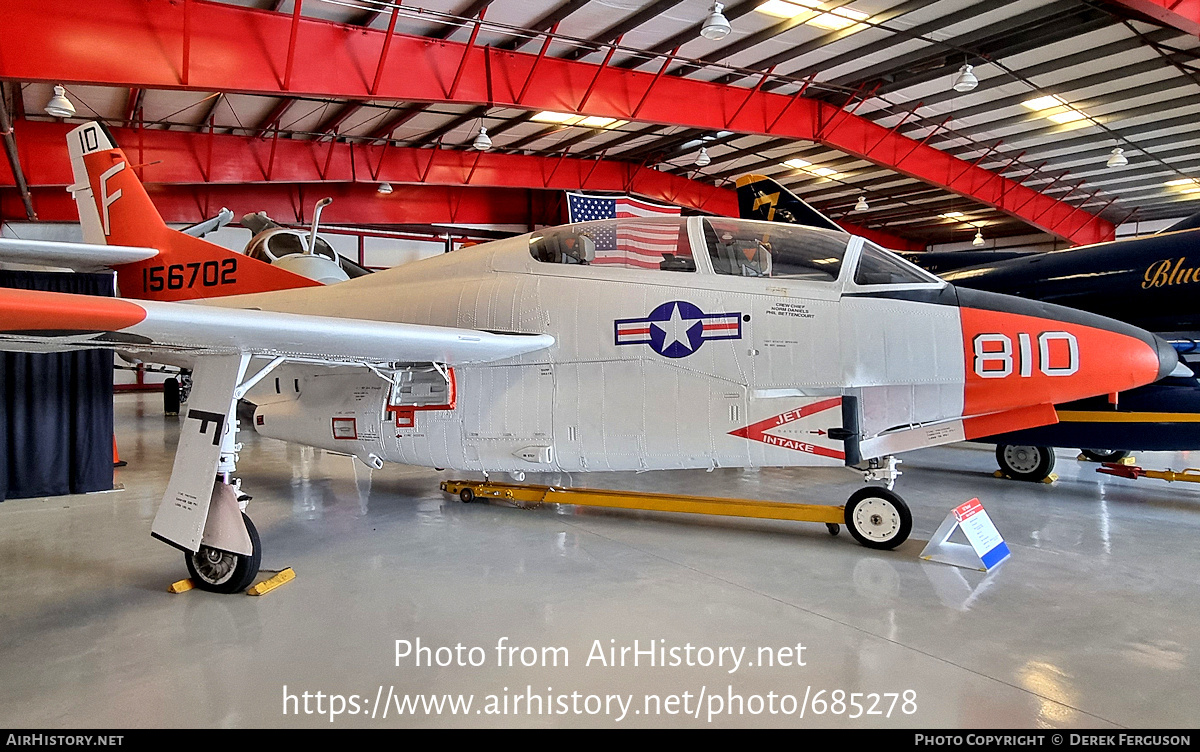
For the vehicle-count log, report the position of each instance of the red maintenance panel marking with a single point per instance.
(345, 428)
(758, 431)
(1014, 361)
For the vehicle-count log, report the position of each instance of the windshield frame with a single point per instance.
(854, 255)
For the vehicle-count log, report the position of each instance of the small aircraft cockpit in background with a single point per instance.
(288, 248)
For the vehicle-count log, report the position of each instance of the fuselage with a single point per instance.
(692, 343)
(1150, 282)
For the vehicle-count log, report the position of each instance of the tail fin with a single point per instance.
(115, 209)
(1190, 223)
(760, 197)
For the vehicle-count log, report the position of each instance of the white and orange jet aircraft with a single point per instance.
(640, 344)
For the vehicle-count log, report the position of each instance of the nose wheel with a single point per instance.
(222, 571)
(878, 518)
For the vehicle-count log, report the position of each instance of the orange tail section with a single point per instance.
(115, 209)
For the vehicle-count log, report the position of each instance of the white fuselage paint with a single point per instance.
(588, 403)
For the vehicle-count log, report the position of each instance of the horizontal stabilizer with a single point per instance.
(82, 257)
(35, 321)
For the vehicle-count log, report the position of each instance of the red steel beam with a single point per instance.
(204, 161)
(236, 49)
(354, 204)
(182, 158)
(1181, 14)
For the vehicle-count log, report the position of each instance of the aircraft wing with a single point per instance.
(82, 257)
(36, 321)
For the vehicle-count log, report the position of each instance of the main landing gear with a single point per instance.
(1033, 463)
(1104, 455)
(877, 517)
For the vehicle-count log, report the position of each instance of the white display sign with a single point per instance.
(987, 547)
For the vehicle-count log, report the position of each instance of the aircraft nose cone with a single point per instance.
(1168, 358)
(1023, 352)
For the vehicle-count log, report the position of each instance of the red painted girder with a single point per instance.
(182, 158)
(354, 204)
(1182, 14)
(177, 157)
(234, 49)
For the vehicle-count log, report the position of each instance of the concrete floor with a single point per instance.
(1093, 622)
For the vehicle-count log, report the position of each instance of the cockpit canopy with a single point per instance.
(273, 245)
(736, 247)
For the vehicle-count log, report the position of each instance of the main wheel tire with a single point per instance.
(171, 396)
(466, 496)
(1021, 462)
(222, 571)
(1104, 455)
(878, 518)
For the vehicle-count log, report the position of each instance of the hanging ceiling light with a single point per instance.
(702, 159)
(384, 189)
(862, 204)
(1118, 158)
(965, 80)
(59, 105)
(482, 141)
(716, 26)
(978, 238)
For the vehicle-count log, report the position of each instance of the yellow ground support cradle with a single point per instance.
(468, 491)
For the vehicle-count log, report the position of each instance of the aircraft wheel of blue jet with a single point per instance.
(171, 396)
(878, 518)
(1025, 462)
(1104, 455)
(222, 571)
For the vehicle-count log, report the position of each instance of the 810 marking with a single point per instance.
(994, 355)
(179, 276)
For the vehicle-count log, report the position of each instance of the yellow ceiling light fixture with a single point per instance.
(1055, 109)
(1044, 103)
(1181, 181)
(1067, 116)
(810, 168)
(952, 215)
(783, 8)
(546, 116)
(835, 19)
(585, 121)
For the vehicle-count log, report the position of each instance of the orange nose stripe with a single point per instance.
(35, 310)
(1014, 360)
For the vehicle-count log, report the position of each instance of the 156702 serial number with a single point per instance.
(186, 276)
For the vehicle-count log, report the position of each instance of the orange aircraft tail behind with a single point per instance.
(115, 209)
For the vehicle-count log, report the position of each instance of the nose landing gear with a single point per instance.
(878, 518)
(222, 571)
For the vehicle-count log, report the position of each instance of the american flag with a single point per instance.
(634, 243)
